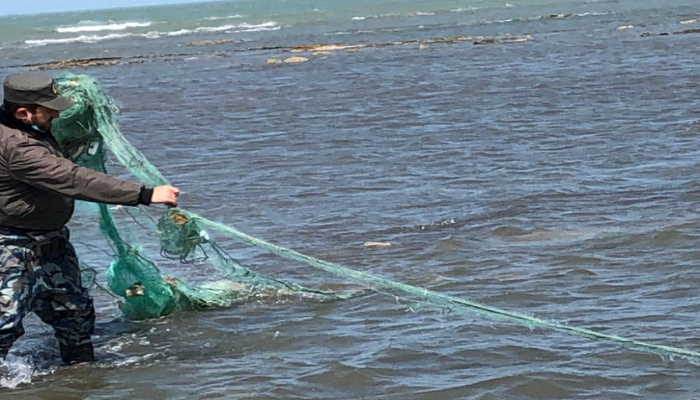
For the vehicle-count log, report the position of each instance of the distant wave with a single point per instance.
(78, 39)
(267, 26)
(226, 17)
(409, 14)
(244, 27)
(468, 22)
(84, 27)
(473, 9)
(544, 17)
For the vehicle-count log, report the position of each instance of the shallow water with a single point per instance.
(554, 177)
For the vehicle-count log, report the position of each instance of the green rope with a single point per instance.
(440, 299)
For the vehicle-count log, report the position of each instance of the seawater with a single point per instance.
(555, 177)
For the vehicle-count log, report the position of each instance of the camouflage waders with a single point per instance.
(39, 272)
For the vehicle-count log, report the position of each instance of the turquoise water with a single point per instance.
(555, 176)
(199, 19)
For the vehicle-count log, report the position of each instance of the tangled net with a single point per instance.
(89, 127)
(85, 132)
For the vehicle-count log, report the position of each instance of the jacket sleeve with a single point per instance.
(36, 165)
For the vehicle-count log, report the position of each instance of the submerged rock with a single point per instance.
(695, 30)
(558, 16)
(683, 32)
(324, 47)
(322, 50)
(485, 40)
(79, 62)
(209, 42)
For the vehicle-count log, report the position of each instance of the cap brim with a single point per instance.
(60, 103)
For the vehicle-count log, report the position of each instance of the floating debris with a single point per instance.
(377, 244)
(294, 60)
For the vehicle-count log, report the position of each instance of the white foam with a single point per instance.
(244, 27)
(78, 39)
(179, 33)
(102, 27)
(408, 14)
(235, 16)
(240, 27)
(14, 372)
(262, 29)
(152, 35)
(216, 28)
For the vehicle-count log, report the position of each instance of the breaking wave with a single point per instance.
(88, 26)
(229, 28)
(77, 39)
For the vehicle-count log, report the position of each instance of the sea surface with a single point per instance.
(550, 171)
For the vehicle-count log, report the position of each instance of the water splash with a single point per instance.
(15, 371)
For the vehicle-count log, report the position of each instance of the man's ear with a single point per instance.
(23, 115)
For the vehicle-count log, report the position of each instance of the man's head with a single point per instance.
(33, 99)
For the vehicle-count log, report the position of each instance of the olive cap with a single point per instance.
(26, 88)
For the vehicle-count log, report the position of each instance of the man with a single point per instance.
(39, 270)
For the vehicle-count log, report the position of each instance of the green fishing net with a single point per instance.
(86, 132)
(89, 129)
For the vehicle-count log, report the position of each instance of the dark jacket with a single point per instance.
(38, 184)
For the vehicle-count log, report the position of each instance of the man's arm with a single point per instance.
(36, 165)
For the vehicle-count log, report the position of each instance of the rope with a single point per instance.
(440, 299)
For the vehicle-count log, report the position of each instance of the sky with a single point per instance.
(11, 7)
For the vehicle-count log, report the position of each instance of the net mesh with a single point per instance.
(89, 128)
(85, 132)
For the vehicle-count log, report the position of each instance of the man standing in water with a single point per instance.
(39, 269)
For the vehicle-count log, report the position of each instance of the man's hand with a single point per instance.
(165, 195)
